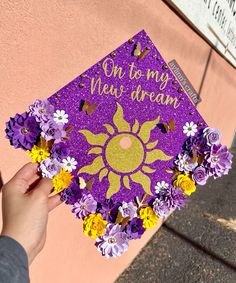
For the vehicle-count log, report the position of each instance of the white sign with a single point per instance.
(215, 19)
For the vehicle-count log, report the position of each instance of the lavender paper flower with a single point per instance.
(42, 110)
(128, 210)
(72, 194)
(86, 205)
(184, 163)
(167, 200)
(50, 167)
(200, 175)
(60, 151)
(135, 229)
(114, 243)
(109, 210)
(53, 131)
(22, 131)
(211, 135)
(218, 161)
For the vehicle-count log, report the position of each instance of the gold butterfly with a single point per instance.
(169, 126)
(88, 108)
(84, 185)
(140, 53)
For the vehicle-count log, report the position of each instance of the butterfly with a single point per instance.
(169, 126)
(84, 185)
(140, 53)
(84, 106)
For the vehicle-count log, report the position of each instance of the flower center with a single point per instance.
(42, 110)
(124, 153)
(24, 131)
(111, 240)
(214, 159)
(82, 207)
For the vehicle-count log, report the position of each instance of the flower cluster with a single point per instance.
(42, 132)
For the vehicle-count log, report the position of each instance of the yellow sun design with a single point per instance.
(123, 154)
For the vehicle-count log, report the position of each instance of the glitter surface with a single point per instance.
(76, 92)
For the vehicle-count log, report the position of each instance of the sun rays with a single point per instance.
(123, 153)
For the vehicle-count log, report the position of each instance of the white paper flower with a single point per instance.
(60, 116)
(69, 163)
(190, 129)
(160, 186)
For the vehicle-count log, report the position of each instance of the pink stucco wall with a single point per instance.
(45, 44)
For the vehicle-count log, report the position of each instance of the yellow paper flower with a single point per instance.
(62, 180)
(185, 183)
(94, 225)
(38, 153)
(149, 217)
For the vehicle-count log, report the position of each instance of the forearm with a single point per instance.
(13, 262)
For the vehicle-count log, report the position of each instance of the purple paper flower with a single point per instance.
(167, 200)
(128, 210)
(200, 175)
(196, 145)
(42, 110)
(86, 205)
(53, 131)
(218, 161)
(72, 194)
(109, 210)
(50, 167)
(134, 229)
(114, 242)
(184, 163)
(22, 131)
(212, 136)
(60, 151)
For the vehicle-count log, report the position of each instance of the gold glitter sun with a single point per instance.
(123, 153)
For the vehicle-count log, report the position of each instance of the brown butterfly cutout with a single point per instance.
(169, 126)
(85, 185)
(140, 53)
(88, 108)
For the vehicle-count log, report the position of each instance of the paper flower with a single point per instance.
(134, 229)
(60, 116)
(128, 210)
(22, 131)
(185, 183)
(185, 163)
(134, 142)
(62, 180)
(218, 161)
(114, 242)
(212, 136)
(69, 163)
(86, 205)
(200, 175)
(38, 153)
(42, 110)
(109, 210)
(169, 199)
(196, 145)
(50, 167)
(161, 186)
(190, 129)
(53, 131)
(94, 225)
(72, 194)
(59, 151)
(149, 217)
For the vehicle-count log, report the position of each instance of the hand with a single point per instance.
(25, 206)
